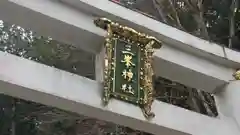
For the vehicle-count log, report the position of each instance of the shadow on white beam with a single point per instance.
(66, 24)
(32, 81)
(51, 18)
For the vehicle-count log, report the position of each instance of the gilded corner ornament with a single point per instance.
(236, 75)
(128, 67)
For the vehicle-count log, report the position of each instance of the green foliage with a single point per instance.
(15, 113)
(24, 43)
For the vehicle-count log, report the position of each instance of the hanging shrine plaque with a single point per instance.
(128, 65)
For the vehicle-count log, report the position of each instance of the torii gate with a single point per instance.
(183, 58)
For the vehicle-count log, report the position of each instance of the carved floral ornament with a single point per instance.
(128, 65)
(236, 75)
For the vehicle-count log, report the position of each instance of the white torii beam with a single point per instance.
(183, 58)
(53, 87)
(50, 18)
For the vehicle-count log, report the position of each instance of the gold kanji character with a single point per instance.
(128, 61)
(127, 89)
(127, 74)
(124, 87)
(130, 89)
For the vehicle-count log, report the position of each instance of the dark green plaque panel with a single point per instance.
(126, 74)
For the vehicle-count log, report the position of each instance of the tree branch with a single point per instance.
(176, 15)
(156, 5)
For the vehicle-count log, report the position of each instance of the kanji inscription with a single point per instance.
(127, 69)
(128, 65)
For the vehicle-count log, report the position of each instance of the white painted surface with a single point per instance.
(204, 70)
(51, 18)
(168, 34)
(53, 87)
(190, 70)
(228, 101)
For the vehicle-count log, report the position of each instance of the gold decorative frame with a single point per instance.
(146, 43)
(236, 75)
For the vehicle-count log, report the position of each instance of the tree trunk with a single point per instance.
(233, 8)
(193, 101)
(206, 106)
(13, 125)
(196, 8)
(201, 22)
(178, 22)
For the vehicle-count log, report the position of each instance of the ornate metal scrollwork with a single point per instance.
(236, 75)
(128, 67)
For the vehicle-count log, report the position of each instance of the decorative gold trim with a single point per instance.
(147, 44)
(127, 32)
(236, 75)
(148, 83)
(108, 65)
